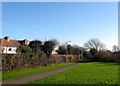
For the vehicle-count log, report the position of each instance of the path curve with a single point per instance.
(29, 78)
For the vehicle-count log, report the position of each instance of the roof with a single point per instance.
(10, 43)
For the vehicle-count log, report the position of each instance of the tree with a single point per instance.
(93, 51)
(35, 46)
(115, 48)
(49, 46)
(69, 49)
(103, 55)
(77, 50)
(94, 44)
(26, 49)
(62, 49)
(55, 41)
(116, 56)
(22, 48)
(74, 49)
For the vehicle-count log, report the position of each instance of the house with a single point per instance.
(8, 46)
(54, 51)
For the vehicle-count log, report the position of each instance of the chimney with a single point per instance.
(7, 38)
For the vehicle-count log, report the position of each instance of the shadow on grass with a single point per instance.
(71, 85)
(108, 63)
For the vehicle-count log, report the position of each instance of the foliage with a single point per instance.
(116, 56)
(74, 49)
(55, 41)
(88, 73)
(93, 51)
(77, 50)
(29, 60)
(62, 49)
(25, 49)
(22, 61)
(115, 48)
(94, 44)
(87, 57)
(49, 46)
(69, 49)
(35, 46)
(103, 56)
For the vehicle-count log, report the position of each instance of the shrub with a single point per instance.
(29, 60)
(116, 56)
(87, 57)
(93, 51)
(103, 56)
(26, 49)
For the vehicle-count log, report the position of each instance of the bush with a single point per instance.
(93, 51)
(87, 57)
(116, 56)
(26, 49)
(21, 61)
(103, 56)
(29, 60)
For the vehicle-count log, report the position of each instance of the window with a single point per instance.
(13, 49)
(10, 49)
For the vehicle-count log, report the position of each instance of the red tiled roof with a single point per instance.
(10, 43)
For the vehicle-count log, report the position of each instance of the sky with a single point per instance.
(65, 21)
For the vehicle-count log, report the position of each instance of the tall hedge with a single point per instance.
(29, 60)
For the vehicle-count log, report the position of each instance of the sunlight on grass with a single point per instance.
(23, 72)
(88, 73)
(0, 78)
(0, 75)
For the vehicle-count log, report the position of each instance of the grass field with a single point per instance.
(87, 73)
(0, 75)
(23, 72)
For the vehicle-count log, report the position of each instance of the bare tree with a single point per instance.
(115, 48)
(94, 44)
(77, 50)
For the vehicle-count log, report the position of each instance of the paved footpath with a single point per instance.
(29, 78)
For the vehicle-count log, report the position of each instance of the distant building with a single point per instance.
(8, 46)
(54, 51)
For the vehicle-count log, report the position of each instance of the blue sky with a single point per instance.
(65, 21)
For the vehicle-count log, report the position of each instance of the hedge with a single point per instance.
(29, 60)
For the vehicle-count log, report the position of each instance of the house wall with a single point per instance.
(9, 50)
(54, 52)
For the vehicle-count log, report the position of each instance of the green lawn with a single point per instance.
(87, 73)
(0, 75)
(23, 72)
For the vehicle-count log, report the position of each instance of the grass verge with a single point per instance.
(17, 73)
(88, 73)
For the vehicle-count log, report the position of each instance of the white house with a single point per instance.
(8, 46)
(54, 51)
